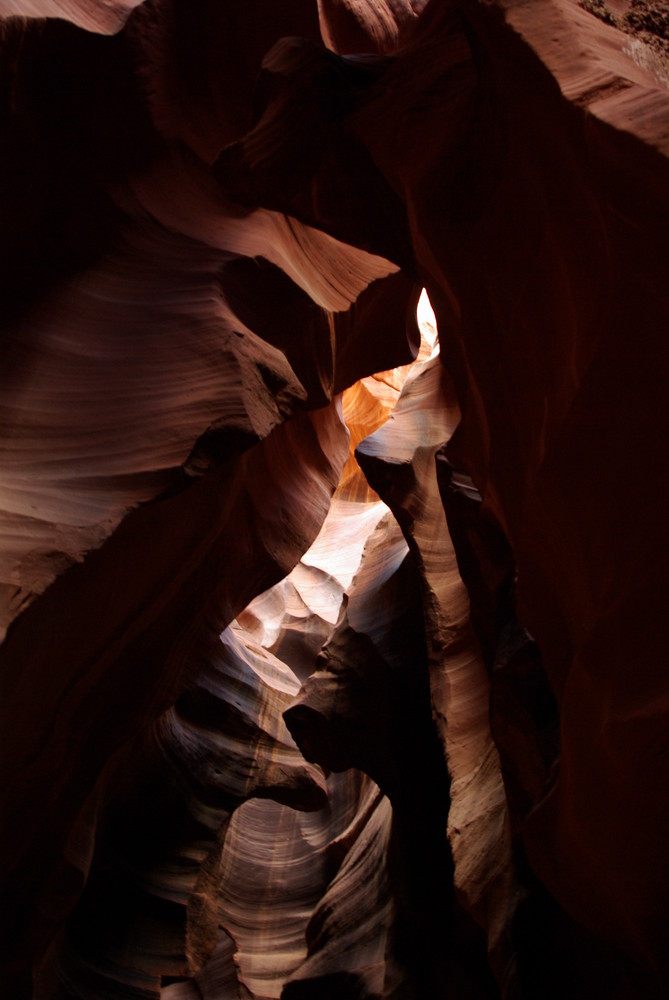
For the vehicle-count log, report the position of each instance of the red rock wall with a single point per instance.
(217, 218)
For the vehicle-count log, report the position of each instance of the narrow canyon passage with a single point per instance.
(332, 648)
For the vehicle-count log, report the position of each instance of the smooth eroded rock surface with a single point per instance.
(277, 720)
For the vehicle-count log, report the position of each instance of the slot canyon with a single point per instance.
(334, 467)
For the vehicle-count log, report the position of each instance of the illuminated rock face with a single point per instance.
(278, 719)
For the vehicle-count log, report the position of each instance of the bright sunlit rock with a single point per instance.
(427, 324)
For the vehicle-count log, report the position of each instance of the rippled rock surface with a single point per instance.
(332, 661)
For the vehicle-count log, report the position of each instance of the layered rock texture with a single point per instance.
(333, 633)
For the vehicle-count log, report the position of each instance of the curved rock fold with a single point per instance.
(331, 662)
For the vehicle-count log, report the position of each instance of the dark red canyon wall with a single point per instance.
(276, 722)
